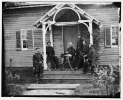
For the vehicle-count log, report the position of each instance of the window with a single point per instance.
(111, 36)
(24, 39)
(114, 37)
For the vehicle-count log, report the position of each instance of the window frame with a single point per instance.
(26, 39)
(111, 35)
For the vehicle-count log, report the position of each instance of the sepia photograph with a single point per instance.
(61, 49)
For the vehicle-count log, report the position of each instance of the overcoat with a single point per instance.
(37, 63)
(91, 54)
(79, 46)
(85, 49)
(50, 52)
(71, 51)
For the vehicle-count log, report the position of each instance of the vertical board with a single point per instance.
(70, 34)
(83, 30)
(58, 41)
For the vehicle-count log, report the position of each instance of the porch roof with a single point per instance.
(57, 8)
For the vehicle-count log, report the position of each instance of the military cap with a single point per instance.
(48, 42)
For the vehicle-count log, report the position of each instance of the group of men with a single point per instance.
(83, 56)
(38, 60)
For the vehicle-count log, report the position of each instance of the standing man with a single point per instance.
(90, 59)
(51, 55)
(37, 64)
(85, 53)
(79, 51)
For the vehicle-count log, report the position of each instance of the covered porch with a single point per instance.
(64, 23)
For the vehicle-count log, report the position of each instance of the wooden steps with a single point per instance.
(48, 92)
(52, 86)
(62, 72)
(66, 74)
(50, 89)
(69, 77)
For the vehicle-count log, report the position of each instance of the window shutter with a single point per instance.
(18, 40)
(30, 39)
(107, 37)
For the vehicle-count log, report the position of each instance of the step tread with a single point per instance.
(66, 75)
(69, 78)
(52, 86)
(62, 72)
(48, 92)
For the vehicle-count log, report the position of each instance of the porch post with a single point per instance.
(51, 35)
(44, 45)
(91, 37)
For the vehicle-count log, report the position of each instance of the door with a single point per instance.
(70, 34)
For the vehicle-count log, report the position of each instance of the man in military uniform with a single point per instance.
(37, 64)
(90, 59)
(71, 51)
(85, 53)
(69, 55)
(51, 56)
(79, 51)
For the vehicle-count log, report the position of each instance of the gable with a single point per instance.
(54, 11)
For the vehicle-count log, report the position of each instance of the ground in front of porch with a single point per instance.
(55, 83)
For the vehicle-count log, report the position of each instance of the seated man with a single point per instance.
(51, 56)
(90, 57)
(37, 64)
(69, 55)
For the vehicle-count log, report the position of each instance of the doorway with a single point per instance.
(70, 34)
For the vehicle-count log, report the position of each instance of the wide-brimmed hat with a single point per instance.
(37, 48)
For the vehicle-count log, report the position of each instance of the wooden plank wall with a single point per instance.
(14, 20)
(107, 15)
(108, 55)
(84, 32)
(17, 19)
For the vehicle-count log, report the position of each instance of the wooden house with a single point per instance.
(28, 27)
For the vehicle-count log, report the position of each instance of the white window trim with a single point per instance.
(22, 39)
(111, 36)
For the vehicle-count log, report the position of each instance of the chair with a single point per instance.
(66, 61)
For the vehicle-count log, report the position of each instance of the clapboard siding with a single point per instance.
(16, 19)
(13, 21)
(108, 55)
(24, 58)
(106, 14)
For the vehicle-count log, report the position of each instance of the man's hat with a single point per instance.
(37, 48)
(80, 35)
(48, 42)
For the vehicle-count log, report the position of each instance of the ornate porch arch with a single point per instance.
(66, 8)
